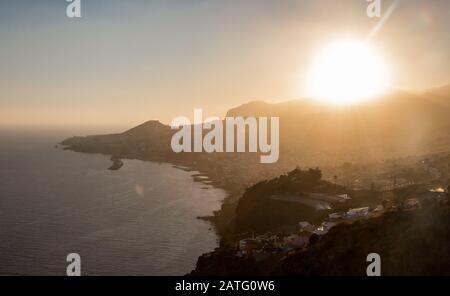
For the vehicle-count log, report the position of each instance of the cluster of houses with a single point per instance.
(263, 245)
(307, 230)
(276, 243)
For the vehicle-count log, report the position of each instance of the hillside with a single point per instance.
(148, 140)
(413, 242)
(396, 125)
(259, 211)
(409, 243)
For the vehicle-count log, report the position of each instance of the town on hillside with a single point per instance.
(332, 204)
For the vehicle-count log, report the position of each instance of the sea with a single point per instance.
(139, 220)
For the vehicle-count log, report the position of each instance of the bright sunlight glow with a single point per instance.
(348, 72)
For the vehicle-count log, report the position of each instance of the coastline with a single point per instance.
(206, 178)
(219, 219)
(201, 175)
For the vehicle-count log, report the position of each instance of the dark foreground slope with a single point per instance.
(415, 242)
(409, 243)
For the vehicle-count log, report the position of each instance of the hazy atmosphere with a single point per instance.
(139, 60)
(258, 138)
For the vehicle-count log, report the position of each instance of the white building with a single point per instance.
(356, 213)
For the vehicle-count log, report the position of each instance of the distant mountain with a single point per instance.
(284, 110)
(395, 125)
(440, 94)
(443, 90)
(150, 140)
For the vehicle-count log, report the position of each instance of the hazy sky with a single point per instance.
(125, 62)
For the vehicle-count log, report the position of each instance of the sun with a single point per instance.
(348, 72)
